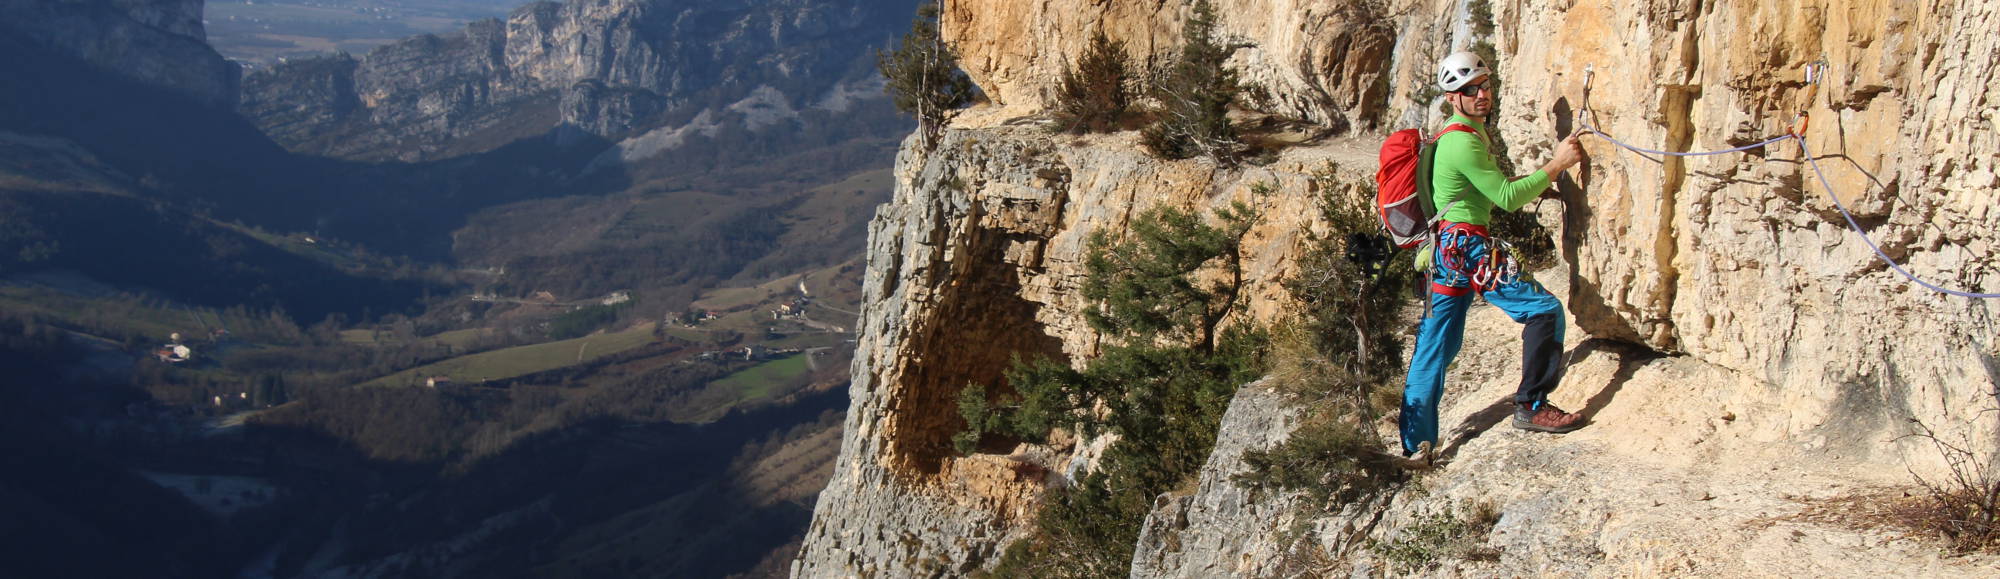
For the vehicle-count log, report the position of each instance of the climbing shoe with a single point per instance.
(1545, 417)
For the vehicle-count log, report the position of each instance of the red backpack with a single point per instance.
(1403, 185)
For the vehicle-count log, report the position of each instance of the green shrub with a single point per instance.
(1039, 404)
(1162, 383)
(1340, 352)
(1195, 92)
(1534, 247)
(1481, 12)
(1148, 285)
(1095, 94)
(923, 76)
(1329, 460)
(1453, 534)
(1348, 302)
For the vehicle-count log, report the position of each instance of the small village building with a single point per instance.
(174, 353)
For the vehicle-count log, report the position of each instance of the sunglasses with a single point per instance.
(1471, 90)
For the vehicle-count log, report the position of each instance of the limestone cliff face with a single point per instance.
(976, 259)
(1737, 264)
(599, 67)
(1321, 61)
(160, 42)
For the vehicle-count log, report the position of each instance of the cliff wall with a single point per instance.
(1737, 266)
(603, 68)
(976, 259)
(159, 42)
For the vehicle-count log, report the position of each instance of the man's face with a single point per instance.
(1473, 99)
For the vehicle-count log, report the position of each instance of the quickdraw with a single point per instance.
(1814, 72)
(1496, 269)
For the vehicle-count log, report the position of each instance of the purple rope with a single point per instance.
(1636, 149)
(1871, 243)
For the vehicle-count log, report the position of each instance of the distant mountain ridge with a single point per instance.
(603, 68)
(121, 158)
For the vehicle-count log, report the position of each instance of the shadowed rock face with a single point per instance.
(605, 67)
(1738, 263)
(160, 42)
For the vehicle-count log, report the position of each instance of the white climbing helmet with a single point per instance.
(1460, 68)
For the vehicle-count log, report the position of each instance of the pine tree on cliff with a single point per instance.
(924, 78)
(1166, 374)
(1195, 93)
(1095, 93)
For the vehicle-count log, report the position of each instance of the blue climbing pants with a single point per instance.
(1465, 263)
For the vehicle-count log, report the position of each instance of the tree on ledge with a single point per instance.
(1168, 369)
(1195, 92)
(1096, 92)
(924, 78)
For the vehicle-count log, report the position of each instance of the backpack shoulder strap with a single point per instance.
(1425, 159)
(1453, 128)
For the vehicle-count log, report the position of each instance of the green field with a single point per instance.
(808, 341)
(523, 360)
(454, 338)
(719, 299)
(112, 312)
(757, 382)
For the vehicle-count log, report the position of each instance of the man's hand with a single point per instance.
(1568, 153)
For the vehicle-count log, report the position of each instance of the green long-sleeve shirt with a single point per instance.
(1462, 165)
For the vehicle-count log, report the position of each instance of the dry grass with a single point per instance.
(1875, 509)
(1910, 512)
(1963, 505)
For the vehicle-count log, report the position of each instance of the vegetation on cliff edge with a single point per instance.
(1340, 352)
(923, 76)
(1162, 294)
(1195, 93)
(1096, 93)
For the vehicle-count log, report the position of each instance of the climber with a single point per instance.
(1466, 181)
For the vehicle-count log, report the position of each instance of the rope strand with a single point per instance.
(1871, 243)
(1814, 72)
(1636, 149)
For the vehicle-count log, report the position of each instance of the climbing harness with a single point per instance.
(1814, 73)
(1497, 268)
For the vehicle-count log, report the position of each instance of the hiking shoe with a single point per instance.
(1548, 418)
